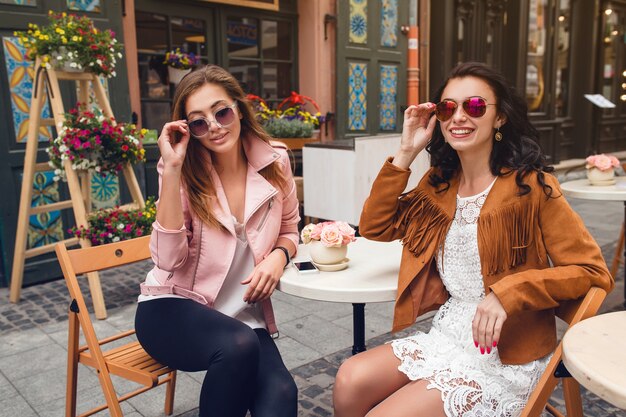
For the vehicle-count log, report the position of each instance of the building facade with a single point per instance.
(356, 58)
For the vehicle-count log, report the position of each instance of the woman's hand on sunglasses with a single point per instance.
(417, 129)
(173, 152)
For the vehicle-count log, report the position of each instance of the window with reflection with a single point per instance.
(563, 59)
(536, 58)
(613, 76)
(157, 34)
(260, 54)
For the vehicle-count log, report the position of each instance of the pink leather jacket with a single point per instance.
(193, 261)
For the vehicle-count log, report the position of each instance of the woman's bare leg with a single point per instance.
(365, 380)
(412, 400)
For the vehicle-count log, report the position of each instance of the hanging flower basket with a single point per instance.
(93, 142)
(175, 75)
(179, 64)
(71, 42)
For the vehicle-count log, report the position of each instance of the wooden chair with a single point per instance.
(129, 361)
(617, 258)
(571, 312)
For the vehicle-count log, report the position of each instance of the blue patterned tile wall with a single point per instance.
(357, 93)
(388, 96)
(358, 21)
(20, 73)
(84, 5)
(44, 228)
(105, 191)
(20, 2)
(389, 23)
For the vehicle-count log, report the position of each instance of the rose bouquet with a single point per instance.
(113, 225)
(74, 40)
(330, 234)
(602, 162)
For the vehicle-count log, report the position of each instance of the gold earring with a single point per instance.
(498, 135)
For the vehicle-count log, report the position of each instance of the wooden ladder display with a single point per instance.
(78, 181)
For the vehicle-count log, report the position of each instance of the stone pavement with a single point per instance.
(315, 337)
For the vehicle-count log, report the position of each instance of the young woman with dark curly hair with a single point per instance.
(489, 242)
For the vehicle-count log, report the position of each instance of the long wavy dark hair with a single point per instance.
(518, 150)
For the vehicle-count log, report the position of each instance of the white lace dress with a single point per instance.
(471, 384)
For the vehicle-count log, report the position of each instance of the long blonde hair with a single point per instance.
(196, 176)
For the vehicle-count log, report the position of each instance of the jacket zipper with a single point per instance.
(266, 215)
(195, 269)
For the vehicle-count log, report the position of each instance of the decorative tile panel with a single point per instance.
(388, 97)
(44, 228)
(358, 21)
(20, 73)
(84, 5)
(357, 93)
(389, 23)
(105, 191)
(20, 2)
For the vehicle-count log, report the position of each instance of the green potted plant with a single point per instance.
(93, 142)
(179, 64)
(72, 43)
(290, 119)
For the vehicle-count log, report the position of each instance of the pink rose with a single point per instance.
(331, 236)
(306, 233)
(602, 162)
(347, 232)
(317, 231)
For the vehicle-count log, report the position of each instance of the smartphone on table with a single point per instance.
(306, 267)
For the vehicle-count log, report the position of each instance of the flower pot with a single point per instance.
(321, 254)
(66, 63)
(598, 177)
(176, 74)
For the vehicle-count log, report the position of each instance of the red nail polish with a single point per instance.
(488, 349)
(475, 343)
(495, 343)
(482, 350)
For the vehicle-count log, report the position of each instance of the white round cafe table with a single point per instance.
(584, 190)
(594, 352)
(371, 277)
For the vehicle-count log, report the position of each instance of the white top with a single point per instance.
(471, 383)
(371, 275)
(594, 353)
(230, 298)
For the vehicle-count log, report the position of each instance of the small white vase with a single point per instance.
(597, 177)
(176, 74)
(321, 254)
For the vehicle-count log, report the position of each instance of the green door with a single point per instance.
(371, 66)
(15, 94)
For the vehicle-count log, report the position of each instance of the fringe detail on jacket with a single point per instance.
(504, 236)
(424, 221)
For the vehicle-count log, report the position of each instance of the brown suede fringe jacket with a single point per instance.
(535, 251)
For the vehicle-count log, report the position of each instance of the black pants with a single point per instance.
(244, 368)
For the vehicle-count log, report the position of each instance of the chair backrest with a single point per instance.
(574, 311)
(80, 261)
(571, 312)
(129, 361)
